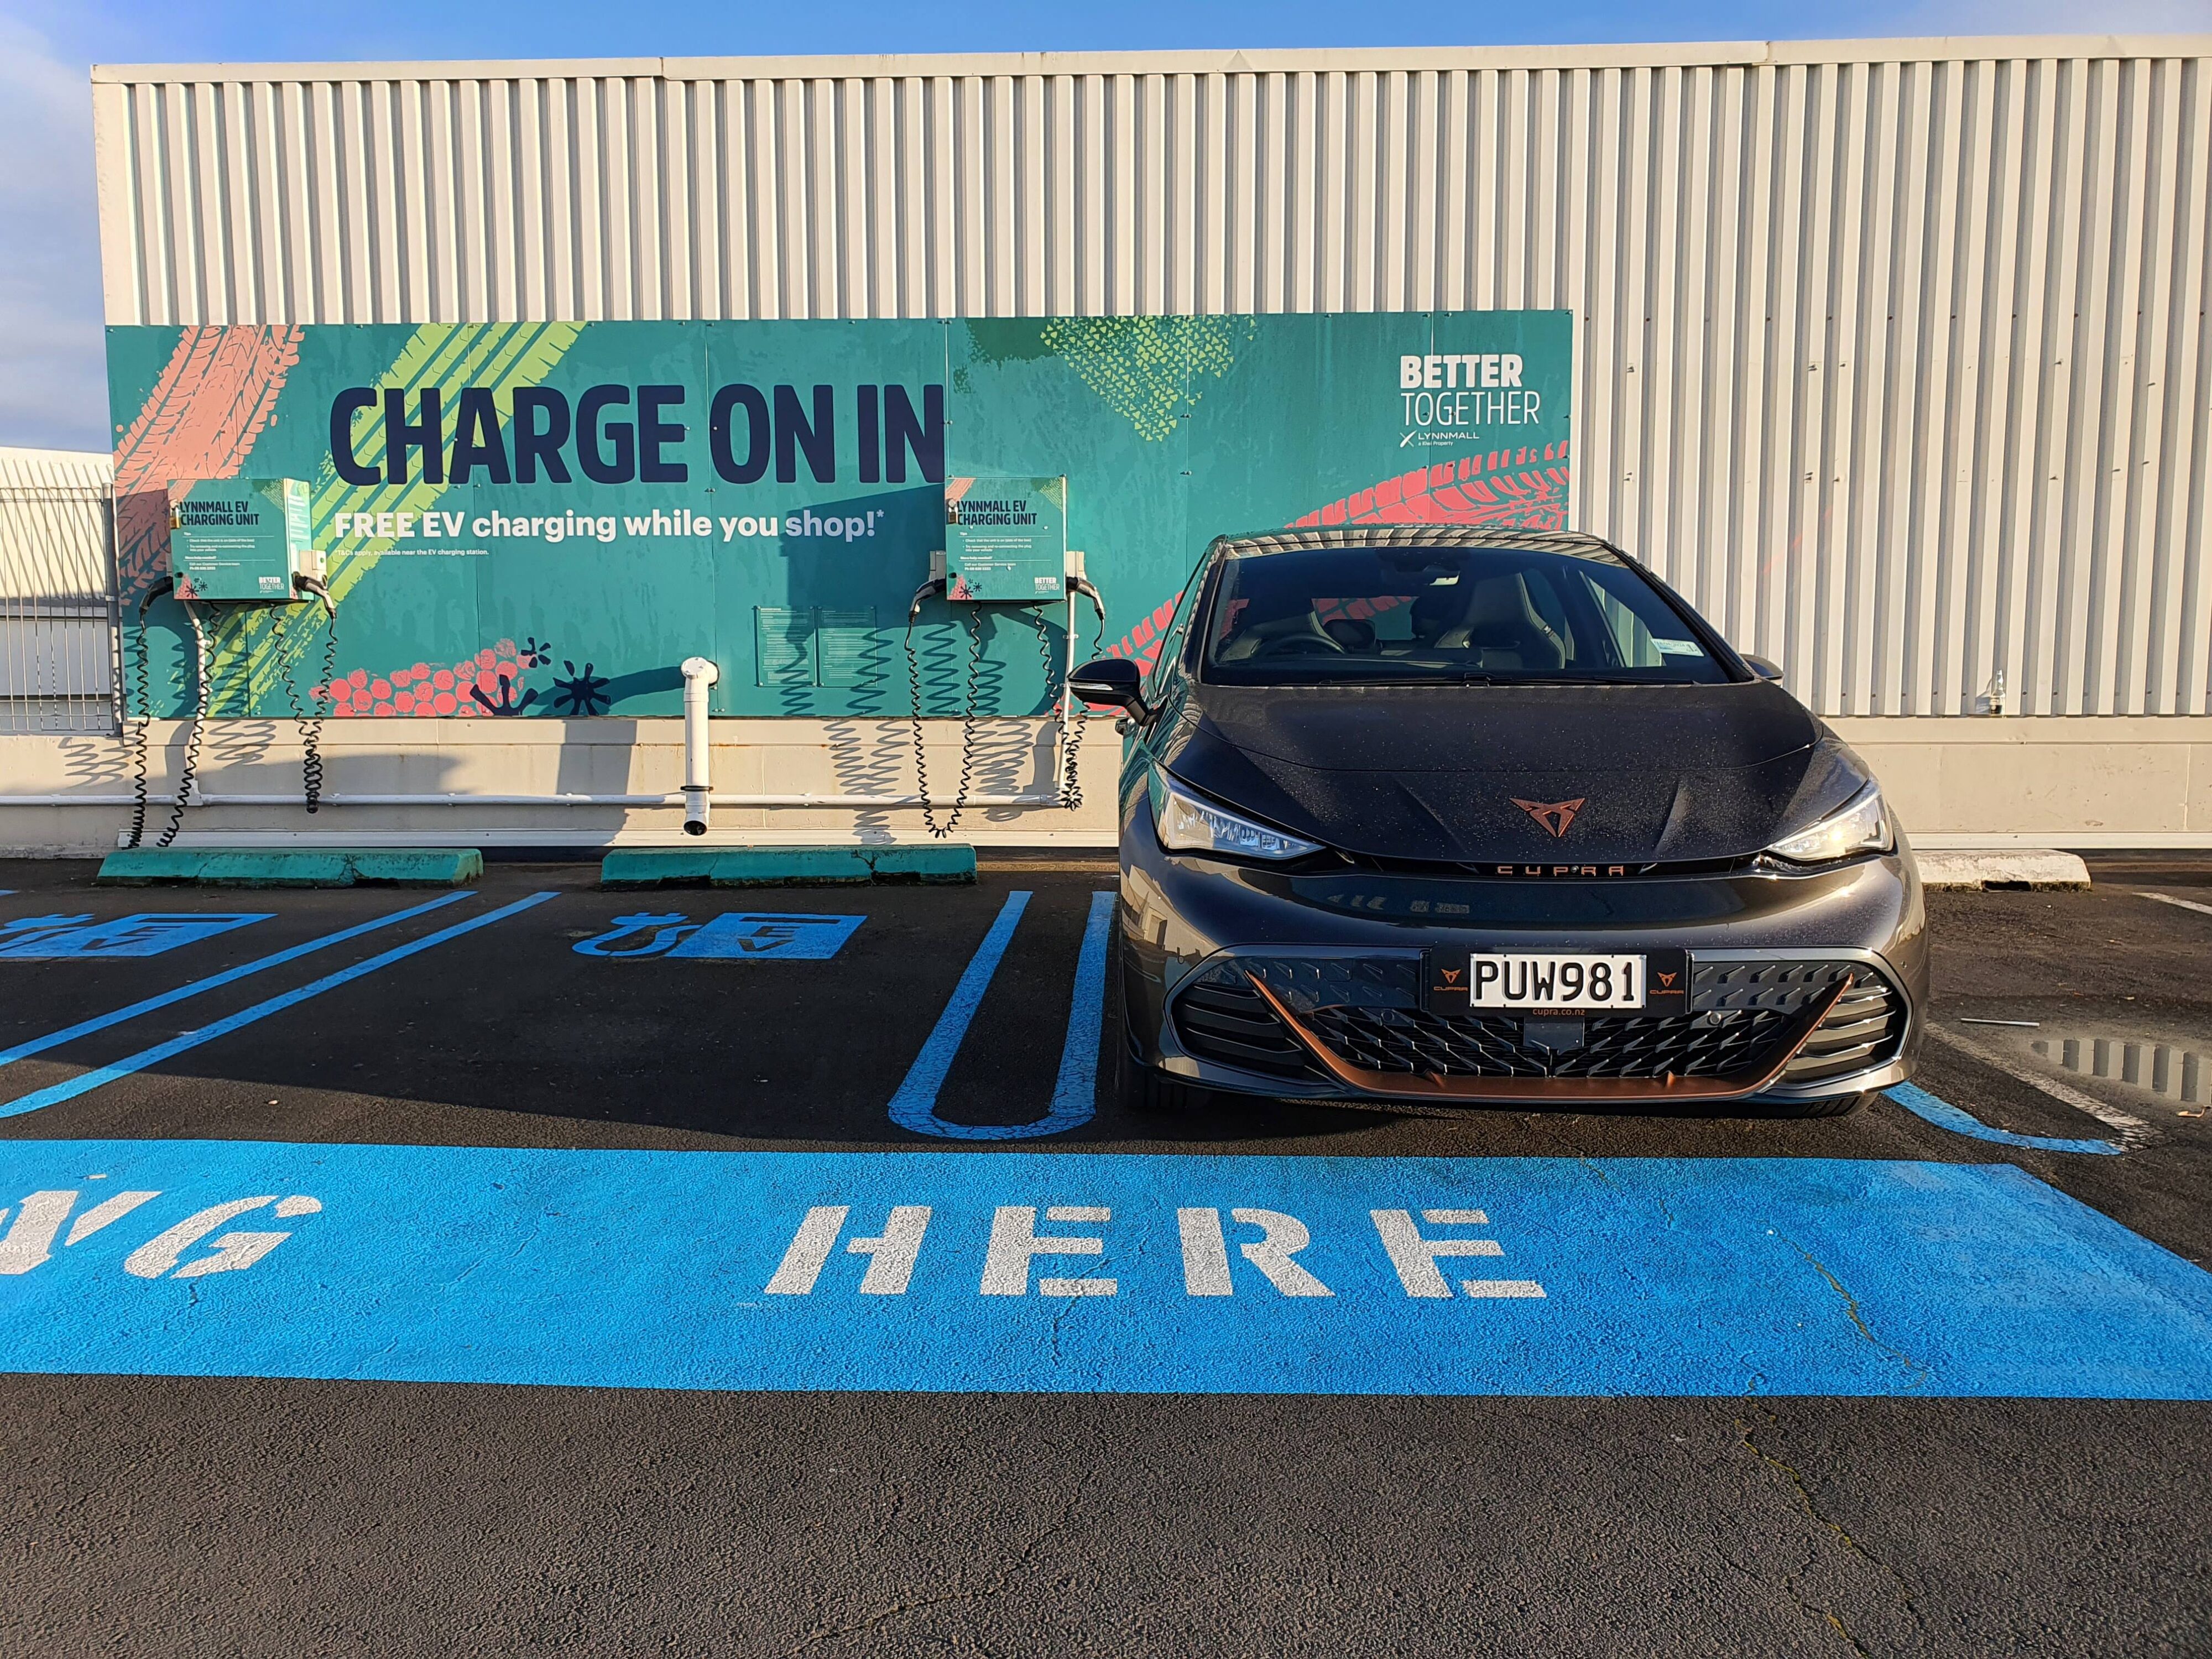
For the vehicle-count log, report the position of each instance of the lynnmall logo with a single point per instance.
(1450, 396)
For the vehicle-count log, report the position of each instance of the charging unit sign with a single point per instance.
(1006, 538)
(241, 539)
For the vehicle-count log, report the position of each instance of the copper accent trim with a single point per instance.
(1437, 1087)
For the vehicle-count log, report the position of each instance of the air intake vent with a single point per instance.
(1861, 1031)
(1228, 1023)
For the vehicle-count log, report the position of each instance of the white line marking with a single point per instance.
(2179, 904)
(1015, 1242)
(1205, 1254)
(892, 1254)
(87, 1081)
(99, 1215)
(1282, 1237)
(2133, 1131)
(810, 1250)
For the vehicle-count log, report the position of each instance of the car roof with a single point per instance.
(1572, 542)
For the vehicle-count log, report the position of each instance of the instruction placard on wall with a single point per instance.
(1006, 538)
(240, 539)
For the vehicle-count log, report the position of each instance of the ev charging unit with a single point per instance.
(240, 540)
(1005, 543)
(236, 544)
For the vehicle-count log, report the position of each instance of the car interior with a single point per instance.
(1515, 614)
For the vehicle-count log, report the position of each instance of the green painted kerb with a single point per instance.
(786, 866)
(255, 866)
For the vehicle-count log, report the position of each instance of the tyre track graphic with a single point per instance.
(1523, 488)
(215, 394)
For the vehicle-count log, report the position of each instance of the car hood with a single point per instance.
(1450, 773)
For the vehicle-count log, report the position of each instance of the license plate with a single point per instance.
(1565, 981)
(1579, 984)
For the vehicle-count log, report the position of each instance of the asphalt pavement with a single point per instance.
(704, 1273)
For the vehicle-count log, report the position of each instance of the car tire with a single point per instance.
(1147, 1093)
(1138, 1089)
(1834, 1106)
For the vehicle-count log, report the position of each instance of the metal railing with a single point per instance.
(58, 618)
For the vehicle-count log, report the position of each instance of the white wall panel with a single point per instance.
(1894, 354)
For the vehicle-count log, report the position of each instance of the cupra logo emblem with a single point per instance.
(1554, 814)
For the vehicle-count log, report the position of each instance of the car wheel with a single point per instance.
(1138, 1088)
(1147, 1093)
(1835, 1106)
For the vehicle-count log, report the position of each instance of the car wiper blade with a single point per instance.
(1406, 679)
(1599, 679)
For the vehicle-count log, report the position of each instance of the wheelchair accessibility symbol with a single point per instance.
(741, 936)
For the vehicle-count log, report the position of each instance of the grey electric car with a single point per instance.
(1461, 817)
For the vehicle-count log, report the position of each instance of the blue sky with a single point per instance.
(51, 389)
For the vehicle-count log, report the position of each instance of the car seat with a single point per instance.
(1503, 629)
(1253, 637)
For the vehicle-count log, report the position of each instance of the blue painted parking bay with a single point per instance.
(1074, 1273)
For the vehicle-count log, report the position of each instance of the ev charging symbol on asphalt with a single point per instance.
(37, 1221)
(47, 938)
(738, 936)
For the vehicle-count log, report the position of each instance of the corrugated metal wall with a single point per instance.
(1893, 354)
(57, 609)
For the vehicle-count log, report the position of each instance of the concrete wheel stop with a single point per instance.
(292, 867)
(786, 866)
(2000, 867)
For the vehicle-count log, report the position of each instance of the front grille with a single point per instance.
(1367, 1012)
(1614, 1045)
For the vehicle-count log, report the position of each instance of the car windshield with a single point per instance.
(1445, 614)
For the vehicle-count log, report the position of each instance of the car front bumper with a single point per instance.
(1296, 947)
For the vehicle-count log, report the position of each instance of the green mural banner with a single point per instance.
(541, 520)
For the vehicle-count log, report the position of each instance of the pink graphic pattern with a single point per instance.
(1526, 488)
(438, 691)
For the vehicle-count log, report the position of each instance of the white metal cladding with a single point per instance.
(57, 614)
(1893, 354)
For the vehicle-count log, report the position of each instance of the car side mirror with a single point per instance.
(1112, 682)
(1765, 667)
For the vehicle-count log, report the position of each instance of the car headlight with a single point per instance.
(1191, 824)
(1864, 826)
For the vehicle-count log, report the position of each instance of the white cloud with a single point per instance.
(2053, 17)
(2058, 19)
(52, 362)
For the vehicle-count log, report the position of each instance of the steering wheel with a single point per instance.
(1299, 645)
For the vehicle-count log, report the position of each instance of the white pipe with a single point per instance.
(699, 676)
(853, 803)
(496, 835)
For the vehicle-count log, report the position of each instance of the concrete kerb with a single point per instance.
(2000, 867)
(265, 866)
(787, 866)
